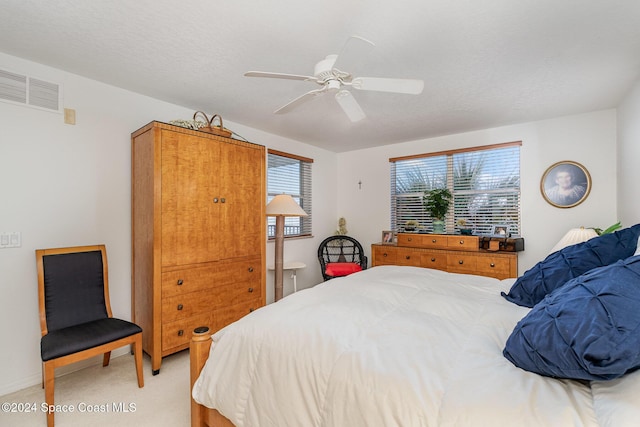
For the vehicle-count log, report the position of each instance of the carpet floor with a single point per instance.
(109, 396)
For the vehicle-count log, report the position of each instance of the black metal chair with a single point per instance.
(340, 256)
(75, 313)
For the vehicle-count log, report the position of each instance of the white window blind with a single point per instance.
(290, 174)
(484, 182)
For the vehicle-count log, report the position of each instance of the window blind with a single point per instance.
(290, 174)
(484, 182)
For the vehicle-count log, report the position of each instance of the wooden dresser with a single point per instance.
(454, 253)
(198, 233)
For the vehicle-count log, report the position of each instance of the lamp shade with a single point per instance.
(574, 236)
(284, 205)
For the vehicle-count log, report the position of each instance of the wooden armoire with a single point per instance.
(198, 233)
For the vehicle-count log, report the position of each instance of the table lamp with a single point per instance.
(574, 236)
(281, 206)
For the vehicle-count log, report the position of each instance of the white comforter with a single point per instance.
(395, 346)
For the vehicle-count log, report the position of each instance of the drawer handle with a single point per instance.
(409, 239)
(250, 290)
(433, 260)
(223, 200)
(250, 310)
(215, 200)
(180, 282)
(250, 269)
(384, 254)
(461, 262)
(462, 242)
(433, 240)
(492, 265)
(408, 257)
(180, 306)
(180, 333)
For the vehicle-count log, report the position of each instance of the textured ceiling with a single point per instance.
(484, 63)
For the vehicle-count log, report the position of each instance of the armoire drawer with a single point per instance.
(178, 281)
(189, 304)
(385, 255)
(178, 333)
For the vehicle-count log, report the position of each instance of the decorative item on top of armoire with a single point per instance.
(192, 265)
(205, 125)
(436, 203)
(342, 227)
(281, 206)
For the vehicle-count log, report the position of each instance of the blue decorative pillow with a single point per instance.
(589, 329)
(570, 262)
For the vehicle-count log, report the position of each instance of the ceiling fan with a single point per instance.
(333, 76)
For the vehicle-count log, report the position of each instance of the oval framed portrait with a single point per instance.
(565, 184)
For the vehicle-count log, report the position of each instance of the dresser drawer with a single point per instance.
(462, 263)
(467, 243)
(434, 260)
(178, 281)
(192, 303)
(494, 267)
(428, 241)
(385, 255)
(408, 257)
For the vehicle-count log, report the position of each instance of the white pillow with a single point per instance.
(638, 248)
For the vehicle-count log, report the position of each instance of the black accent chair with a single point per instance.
(75, 313)
(340, 255)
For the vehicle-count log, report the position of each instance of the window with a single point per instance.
(484, 182)
(290, 174)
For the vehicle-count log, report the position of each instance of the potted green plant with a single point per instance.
(436, 203)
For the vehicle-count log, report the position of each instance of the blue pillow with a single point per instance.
(572, 261)
(589, 329)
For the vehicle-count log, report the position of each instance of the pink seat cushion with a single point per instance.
(337, 269)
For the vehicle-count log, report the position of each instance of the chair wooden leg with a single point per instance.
(49, 374)
(138, 358)
(106, 358)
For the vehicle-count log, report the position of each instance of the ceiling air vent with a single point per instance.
(29, 91)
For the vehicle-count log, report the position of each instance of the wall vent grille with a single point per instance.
(24, 90)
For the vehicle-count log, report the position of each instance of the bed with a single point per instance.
(391, 346)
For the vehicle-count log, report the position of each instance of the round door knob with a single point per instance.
(222, 200)
(462, 242)
(408, 257)
(180, 333)
(433, 240)
(180, 306)
(250, 269)
(180, 282)
(384, 254)
(215, 200)
(492, 265)
(461, 262)
(250, 289)
(433, 260)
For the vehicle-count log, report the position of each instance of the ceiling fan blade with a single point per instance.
(409, 86)
(278, 75)
(353, 54)
(299, 100)
(350, 105)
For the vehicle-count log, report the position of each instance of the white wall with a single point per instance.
(64, 185)
(629, 157)
(589, 139)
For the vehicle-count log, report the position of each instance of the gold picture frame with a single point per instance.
(565, 184)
